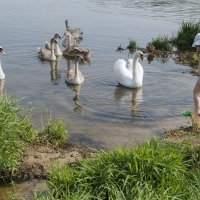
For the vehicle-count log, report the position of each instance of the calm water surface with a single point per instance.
(104, 114)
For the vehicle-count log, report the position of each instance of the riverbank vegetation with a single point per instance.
(17, 134)
(158, 169)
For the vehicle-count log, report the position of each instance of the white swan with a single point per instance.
(130, 75)
(46, 54)
(2, 75)
(75, 76)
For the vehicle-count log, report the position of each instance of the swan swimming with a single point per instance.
(130, 75)
(46, 54)
(75, 77)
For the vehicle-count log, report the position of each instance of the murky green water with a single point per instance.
(105, 113)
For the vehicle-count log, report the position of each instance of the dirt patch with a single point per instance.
(38, 159)
(184, 134)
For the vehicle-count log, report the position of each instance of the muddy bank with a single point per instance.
(38, 159)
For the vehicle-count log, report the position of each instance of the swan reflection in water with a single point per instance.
(125, 95)
(76, 89)
(55, 75)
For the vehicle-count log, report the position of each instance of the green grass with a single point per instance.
(162, 43)
(17, 132)
(185, 35)
(154, 170)
(132, 45)
(54, 132)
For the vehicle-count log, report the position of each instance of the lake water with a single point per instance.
(105, 114)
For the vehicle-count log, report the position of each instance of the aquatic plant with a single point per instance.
(154, 170)
(185, 35)
(132, 45)
(162, 43)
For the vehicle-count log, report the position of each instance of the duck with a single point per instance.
(130, 74)
(2, 75)
(46, 54)
(57, 49)
(76, 32)
(74, 76)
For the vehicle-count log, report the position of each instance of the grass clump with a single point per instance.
(132, 45)
(15, 132)
(154, 170)
(186, 34)
(54, 132)
(162, 43)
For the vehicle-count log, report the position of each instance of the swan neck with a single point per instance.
(134, 67)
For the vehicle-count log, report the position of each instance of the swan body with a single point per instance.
(75, 32)
(57, 50)
(130, 74)
(68, 40)
(78, 51)
(75, 76)
(2, 75)
(46, 54)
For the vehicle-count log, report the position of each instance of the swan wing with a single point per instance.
(124, 76)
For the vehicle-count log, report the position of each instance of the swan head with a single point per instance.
(139, 54)
(2, 50)
(57, 36)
